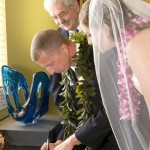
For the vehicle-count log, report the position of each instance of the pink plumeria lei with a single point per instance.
(128, 95)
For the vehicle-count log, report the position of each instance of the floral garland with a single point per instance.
(68, 109)
(73, 118)
(126, 86)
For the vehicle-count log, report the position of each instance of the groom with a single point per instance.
(96, 132)
(56, 53)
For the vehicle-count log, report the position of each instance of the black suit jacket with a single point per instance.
(96, 132)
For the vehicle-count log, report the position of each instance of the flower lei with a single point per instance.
(74, 118)
(129, 108)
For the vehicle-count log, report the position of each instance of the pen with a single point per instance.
(48, 140)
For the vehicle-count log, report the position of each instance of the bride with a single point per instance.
(120, 34)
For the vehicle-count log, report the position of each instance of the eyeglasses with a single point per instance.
(62, 15)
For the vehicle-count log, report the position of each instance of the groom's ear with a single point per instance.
(64, 49)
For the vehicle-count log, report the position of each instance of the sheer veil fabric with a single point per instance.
(139, 7)
(124, 104)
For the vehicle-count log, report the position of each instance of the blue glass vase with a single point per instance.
(31, 111)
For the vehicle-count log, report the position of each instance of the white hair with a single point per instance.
(49, 4)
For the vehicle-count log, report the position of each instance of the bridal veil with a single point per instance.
(112, 24)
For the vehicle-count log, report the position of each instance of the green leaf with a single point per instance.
(81, 101)
(80, 110)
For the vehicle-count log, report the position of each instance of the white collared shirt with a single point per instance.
(73, 32)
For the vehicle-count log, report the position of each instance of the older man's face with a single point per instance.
(66, 17)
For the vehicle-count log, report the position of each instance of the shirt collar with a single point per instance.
(78, 29)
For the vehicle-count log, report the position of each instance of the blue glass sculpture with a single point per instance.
(31, 111)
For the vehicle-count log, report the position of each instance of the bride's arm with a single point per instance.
(138, 51)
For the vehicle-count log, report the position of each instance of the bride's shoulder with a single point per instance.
(140, 37)
(139, 45)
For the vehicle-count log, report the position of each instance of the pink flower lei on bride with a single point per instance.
(128, 95)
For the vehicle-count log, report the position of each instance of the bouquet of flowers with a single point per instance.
(3, 140)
